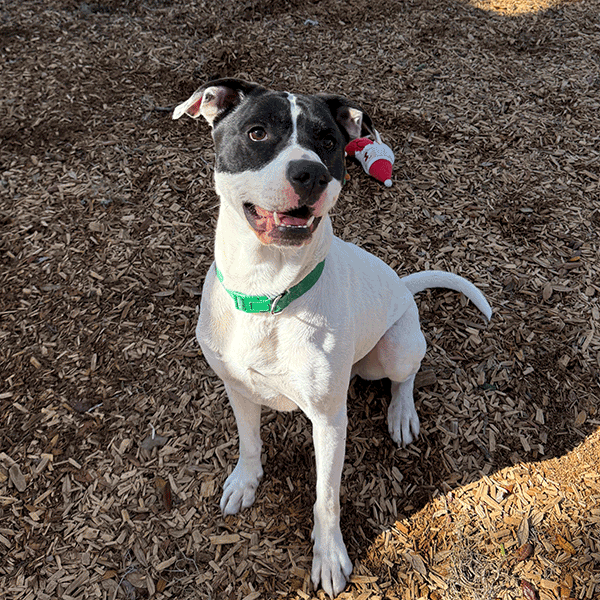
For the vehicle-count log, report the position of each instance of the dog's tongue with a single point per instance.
(284, 218)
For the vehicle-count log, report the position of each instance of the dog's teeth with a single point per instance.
(276, 219)
(310, 221)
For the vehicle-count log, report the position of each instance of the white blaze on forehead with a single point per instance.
(295, 150)
(295, 110)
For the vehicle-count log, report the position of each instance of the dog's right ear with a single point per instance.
(215, 99)
(353, 121)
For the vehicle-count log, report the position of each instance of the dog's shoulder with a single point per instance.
(367, 294)
(362, 273)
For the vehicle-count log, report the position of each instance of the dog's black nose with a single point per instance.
(308, 178)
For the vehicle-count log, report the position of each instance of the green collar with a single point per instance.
(264, 304)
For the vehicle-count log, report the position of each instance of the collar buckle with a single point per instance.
(275, 302)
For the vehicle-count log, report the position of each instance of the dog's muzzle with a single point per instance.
(309, 179)
(291, 228)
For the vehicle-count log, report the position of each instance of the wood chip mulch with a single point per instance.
(115, 436)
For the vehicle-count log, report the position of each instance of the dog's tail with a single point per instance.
(417, 282)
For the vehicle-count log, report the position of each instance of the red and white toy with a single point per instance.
(375, 157)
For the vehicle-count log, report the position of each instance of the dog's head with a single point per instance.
(279, 156)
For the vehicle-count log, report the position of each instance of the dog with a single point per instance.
(289, 312)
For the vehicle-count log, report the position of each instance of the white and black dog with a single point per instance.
(289, 312)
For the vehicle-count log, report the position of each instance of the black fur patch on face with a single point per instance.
(318, 131)
(253, 134)
(236, 151)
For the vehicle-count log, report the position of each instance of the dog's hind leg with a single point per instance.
(403, 420)
(240, 487)
(398, 356)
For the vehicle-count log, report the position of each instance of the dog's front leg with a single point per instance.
(331, 565)
(240, 487)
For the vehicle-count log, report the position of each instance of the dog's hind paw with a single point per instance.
(403, 421)
(331, 567)
(239, 489)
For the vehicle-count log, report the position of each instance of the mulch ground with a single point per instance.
(115, 436)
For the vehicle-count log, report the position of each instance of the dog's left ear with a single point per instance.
(215, 99)
(353, 121)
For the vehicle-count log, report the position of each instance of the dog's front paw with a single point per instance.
(331, 566)
(239, 490)
(403, 421)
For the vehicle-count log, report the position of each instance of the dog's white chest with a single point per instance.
(255, 353)
(305, 353)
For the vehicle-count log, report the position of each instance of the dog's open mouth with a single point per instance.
(291, 228)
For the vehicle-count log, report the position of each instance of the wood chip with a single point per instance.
(165, 564)
(565, 545)
(17, 478)
(425, 379)
(226, 538)
(580, 420)
(523, 532)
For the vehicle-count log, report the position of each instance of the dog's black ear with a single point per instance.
(352, 119)
(215, 99)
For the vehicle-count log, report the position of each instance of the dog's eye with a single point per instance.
(329, 142)
(257, 134)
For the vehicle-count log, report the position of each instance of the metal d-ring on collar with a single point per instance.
(276, 301)
(268, 304)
